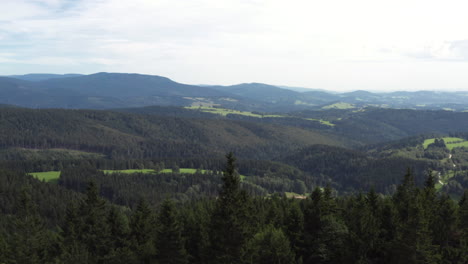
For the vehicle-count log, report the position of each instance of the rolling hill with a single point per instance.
(125, 135)
(120, 90)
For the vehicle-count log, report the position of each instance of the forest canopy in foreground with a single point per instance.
(45, 223)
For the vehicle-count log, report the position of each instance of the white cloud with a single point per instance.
(298, 42)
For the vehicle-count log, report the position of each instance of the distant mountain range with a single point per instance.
(120, 90)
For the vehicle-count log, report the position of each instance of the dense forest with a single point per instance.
(45, 223)
(151, 185)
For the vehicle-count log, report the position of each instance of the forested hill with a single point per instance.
(115, 90)
(125, 135)
(364, 126)
(46, 223)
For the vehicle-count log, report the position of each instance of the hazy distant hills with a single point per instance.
(120, 90)
(35, 77)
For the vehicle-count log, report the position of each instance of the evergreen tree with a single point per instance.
(413, 243)
(364, 231)
(463, 228)
(169, 241)
(445, 226)
(94, 232)
(30, 242)
(325, 232)
(119, 233)
(74, 251)
(229, 228)
(195, 223)
(294, 228)
(142, 233)
(372, 199)
(270, 246)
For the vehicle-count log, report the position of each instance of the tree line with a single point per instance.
(414, 225)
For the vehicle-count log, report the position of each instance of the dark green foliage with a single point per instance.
(119, 135)
(414, 225)
(364, 229)
(349, 170)
(269, 246)
(413, 243)
(463, 228)
(229, 227)
(31, 241)
(294, 228)
(142, 234)
(169, 241)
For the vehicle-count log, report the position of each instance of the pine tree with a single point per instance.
(229, 227)
(294, 228)
(119, 237)
(74, 251)
(195, 225)
(445, 225)
(413, 242)
(169, 241)
(271, 246)
(142, 233)
(324, 231)
(373, 201)
(364, 231)
(30, 240)
(463, 228)
(94, 232)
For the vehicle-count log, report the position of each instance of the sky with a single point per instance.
(340, 45)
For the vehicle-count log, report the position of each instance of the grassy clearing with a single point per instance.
(296, 195)
(130, 171)
(225, 112)
(323, 122)
(444, 179)
(47, 176)
(183, 170)
(450, 142)
(193, 171)
(339, 105)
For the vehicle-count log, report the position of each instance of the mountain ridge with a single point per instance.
(119, 90)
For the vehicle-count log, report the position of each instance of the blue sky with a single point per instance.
(334, 44)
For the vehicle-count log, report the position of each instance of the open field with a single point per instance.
(225, 111)
(183, 170)
(444, 179)
(47, 176)
(323, 122)
(130, 171)
(53, 176)
(339, 105)
(450, 142)
(296, 195)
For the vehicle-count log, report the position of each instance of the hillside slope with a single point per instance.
(124, 135)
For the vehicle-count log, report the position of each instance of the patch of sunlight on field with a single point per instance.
(450, 142)
(47, 176)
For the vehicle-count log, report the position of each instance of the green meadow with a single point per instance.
(450, 142)
(323, 122)
(225, 112)
(47, 176)
(444, 179)
(129, 171)
(339, 105)
(53, 176)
